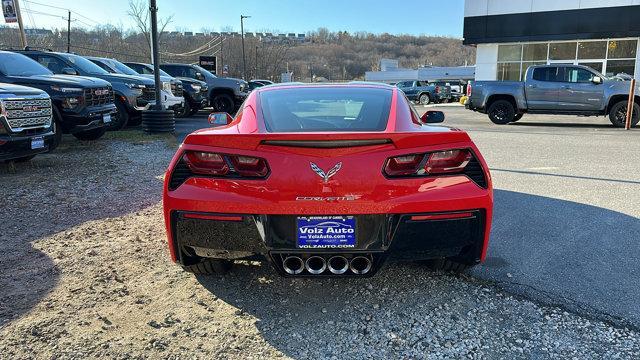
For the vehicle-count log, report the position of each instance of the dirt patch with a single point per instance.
(85, 273)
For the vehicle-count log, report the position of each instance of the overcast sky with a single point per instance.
(299, 16)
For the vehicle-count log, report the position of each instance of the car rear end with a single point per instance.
(323, 203)
(25, 125)
(443, 93)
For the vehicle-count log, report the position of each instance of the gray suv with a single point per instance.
(225, 94)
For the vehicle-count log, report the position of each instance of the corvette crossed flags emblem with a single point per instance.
(326, 176)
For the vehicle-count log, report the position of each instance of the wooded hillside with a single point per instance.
(332, 55)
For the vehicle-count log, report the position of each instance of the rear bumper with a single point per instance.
(396, 237)
(471, 105)
(13, 147)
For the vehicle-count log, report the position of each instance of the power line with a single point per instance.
(33, 24)
(108, 52)
(65, 9)
(44, 14)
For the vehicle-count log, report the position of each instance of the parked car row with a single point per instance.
(425, 93)
(44, 94)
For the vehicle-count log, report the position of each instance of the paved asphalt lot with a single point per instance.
(566, 227)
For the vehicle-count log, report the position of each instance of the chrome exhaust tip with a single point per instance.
(293, 265)
(338, 265)
(315, 265)
(360, 265)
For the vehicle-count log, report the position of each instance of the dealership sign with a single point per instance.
(9, 11)
(209, 62)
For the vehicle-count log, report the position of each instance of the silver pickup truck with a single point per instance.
(554, 89)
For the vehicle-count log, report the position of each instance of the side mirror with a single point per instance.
(432, 117)
(220, 119)
(69, 71)
(199, 76)
(597, 80)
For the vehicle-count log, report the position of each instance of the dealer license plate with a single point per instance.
(106, 118)
(37, 142)
(321, 232)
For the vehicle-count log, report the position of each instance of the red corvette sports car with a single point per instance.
(327, 180)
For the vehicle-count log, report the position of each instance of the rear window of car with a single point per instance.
(545, 74)
(326, 109)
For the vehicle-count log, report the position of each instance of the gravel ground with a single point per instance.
(85, 273)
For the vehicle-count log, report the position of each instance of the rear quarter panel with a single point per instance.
(482, 91)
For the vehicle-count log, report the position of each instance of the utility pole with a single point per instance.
(69, 32)
(23, 37)
(244, 58)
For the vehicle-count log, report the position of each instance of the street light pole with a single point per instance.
(153, 8)
(244, 58)
(156, 119)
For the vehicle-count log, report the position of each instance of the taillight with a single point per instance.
(248, 166)
(447, 162)
(225, 165)
(406, 165)
(206, 163)
(469, 89)
(436, 163)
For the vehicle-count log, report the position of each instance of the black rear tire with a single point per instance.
(57, 129)
(618, 114)
(501, 112)
(222, 103)
(447, 265)
(209, 267)
(90, 135)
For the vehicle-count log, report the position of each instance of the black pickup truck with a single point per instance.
(25, 124)
(82, 106)
(133, 94)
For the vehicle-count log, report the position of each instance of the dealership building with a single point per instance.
(511, 35)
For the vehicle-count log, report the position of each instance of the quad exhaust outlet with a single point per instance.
(360, 265)
(293, 265)
(328, 264)
(315, 265)
(338, 265)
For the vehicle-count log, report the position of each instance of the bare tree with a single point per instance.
(139, 12)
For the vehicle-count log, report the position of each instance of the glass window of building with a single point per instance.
(592, 50)
(509, 71)
(623, 49)
(597, 66)
(509, 52)
(615, 67)
(562, 51)
(536, 52)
